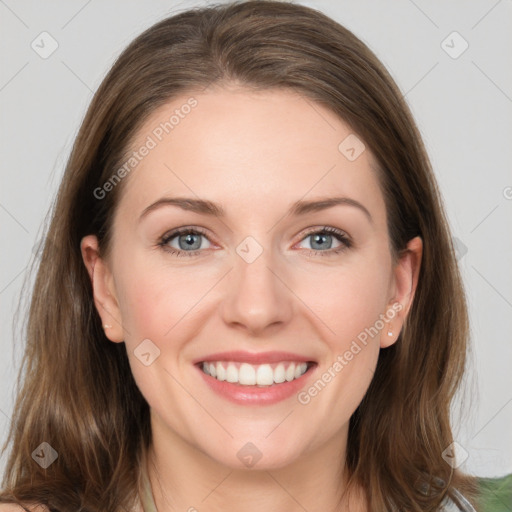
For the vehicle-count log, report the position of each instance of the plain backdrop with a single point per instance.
(450, 59)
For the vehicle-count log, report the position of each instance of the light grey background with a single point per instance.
(462, 105)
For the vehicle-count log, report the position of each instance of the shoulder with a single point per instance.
(11, 507)
(495, 492)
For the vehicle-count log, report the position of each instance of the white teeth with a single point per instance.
(247, 374)
(290, 373)
(264, 375)
(231, 373)
(221, 372)
(279, 374)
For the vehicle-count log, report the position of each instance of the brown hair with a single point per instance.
(78, 392)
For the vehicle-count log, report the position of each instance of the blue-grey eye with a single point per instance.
(190, 241)
(321, 241)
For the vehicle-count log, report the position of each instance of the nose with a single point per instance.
(258, 297)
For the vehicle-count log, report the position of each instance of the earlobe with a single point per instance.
(406, 274)
(104, 293)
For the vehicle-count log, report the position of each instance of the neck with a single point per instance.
(184, 478)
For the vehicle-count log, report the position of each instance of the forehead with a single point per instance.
(250, 149)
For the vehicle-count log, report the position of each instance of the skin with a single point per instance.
(254, 153)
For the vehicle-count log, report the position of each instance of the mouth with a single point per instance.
(255, 375)
(255, 379)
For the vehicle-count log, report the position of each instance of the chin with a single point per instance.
(257, 456)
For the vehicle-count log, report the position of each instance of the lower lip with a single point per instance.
(254, 395)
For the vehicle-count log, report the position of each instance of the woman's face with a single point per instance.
(262, 278)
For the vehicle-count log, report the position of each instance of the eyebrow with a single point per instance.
(300, 207)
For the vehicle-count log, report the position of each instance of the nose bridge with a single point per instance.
(257, 298)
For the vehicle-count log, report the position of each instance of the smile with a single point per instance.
(261, 375)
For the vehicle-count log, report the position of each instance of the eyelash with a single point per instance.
(338, 234)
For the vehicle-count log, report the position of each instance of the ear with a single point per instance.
(405, 282)
(104, 293)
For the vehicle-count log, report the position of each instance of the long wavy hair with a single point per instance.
(75, 389)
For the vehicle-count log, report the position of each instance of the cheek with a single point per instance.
(348, 300)
(155, 298)
(351, 308)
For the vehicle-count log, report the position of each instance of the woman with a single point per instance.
(251, 371)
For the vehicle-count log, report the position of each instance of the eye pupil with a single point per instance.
(189, 240)
(319, 237)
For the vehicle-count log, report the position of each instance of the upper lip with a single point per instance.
(254, 358)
